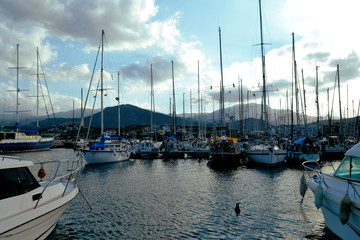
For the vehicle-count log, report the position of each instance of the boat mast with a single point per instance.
(183, 120)
(17, 88)
(296, 84)
(191, 120)
(265, 116)
(102, 85)
(341, 123)
(240, 102)
(317, 103)
(199, 134)
(174, 102)
(37, 88)
(305, 116)
(222, 107)
(152, 100)
(118, 99)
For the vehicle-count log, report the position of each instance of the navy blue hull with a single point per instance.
(25, 146)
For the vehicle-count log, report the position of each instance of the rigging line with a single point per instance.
(88, 92)
(92, 111)
(46, 109)
(47, 88)
(301, 100)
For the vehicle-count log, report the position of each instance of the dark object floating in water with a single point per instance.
(237, 208)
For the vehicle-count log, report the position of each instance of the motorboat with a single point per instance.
(337, 194)
(30, 209)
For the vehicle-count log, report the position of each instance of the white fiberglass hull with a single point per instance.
(266, 156)
(105, 156)
(39, 222)
(330, 208)
(38, 228)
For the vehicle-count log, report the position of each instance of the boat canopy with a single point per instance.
(302, 141)
(29, 131)
(223, 138)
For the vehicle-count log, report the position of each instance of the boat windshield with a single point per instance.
(16, 181)
(349, 168)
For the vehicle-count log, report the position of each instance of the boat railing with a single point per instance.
(313, 170)
(72, 169)
(3, 157)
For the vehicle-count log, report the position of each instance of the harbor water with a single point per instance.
(185, 199)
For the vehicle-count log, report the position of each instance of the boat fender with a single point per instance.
(114, 152)
(345, 208)
(41, 173)
(318, 196)
(303, 186)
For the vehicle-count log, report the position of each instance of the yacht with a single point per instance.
(30, 209)
(266, 153)
(303, 150)
(224, 153)
(106, 149)
(338, 194)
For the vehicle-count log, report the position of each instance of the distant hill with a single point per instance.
(76, 113)
(135, 116)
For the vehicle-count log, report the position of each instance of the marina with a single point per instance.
(184, 198)
(265, 144)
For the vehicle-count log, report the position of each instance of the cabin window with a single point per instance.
(16, 181)
(349, 168)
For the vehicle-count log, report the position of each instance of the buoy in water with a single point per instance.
(41, 173)
(318, 196)
(345, 208)
(237, 208)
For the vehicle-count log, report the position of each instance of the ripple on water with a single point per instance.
(185, 199)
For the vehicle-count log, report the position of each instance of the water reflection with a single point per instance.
(174, 199)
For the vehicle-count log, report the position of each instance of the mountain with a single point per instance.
(134, 116)
(76, 113)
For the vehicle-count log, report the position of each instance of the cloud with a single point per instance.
(349, 66)
(317, 57)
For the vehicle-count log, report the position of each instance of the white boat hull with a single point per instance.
(39, 222)
(105, 156)
(266, 156)
(39, 228)
(331, 208)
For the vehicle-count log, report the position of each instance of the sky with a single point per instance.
(139, 33)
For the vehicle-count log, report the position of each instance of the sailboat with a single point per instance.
(303, 149)
(224, 153)
(172, 148)
(267, 151)
(147, 148)
(106, 149)
(17, 140)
